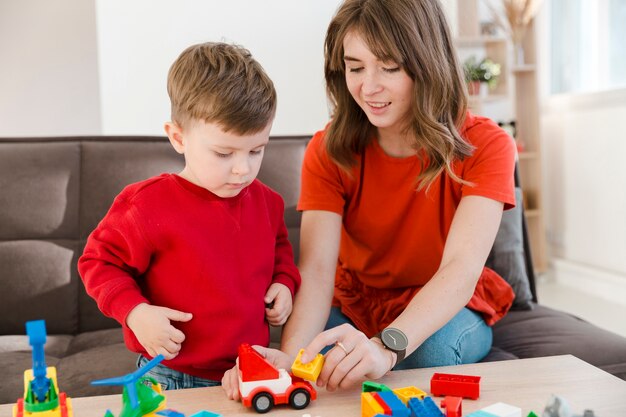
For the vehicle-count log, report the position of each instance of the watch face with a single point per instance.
(394, 339)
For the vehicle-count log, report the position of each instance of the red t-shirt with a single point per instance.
(392, 235)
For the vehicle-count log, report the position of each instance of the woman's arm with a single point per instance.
(320, 234)
(469, 241)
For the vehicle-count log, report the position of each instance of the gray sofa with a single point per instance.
(53, 193)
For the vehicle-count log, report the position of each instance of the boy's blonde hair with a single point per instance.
(221, 83)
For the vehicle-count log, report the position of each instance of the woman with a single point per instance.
(402, 196)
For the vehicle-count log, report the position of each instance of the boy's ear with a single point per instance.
(175, 135)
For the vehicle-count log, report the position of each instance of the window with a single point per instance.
(588, 51)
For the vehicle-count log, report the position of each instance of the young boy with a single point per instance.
(187, 263)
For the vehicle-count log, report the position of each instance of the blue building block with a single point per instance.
(40, 385)
(170, 413)
(424, 408)
(395, 404)
(432, 408)
(205, 413)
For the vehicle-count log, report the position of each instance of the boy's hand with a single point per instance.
(278, 297)
(151, 325)
(230, 381)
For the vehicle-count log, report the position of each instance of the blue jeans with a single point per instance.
(466, 338)
(171, 379)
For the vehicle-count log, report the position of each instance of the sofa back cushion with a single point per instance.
(39, 185)
(54, 193)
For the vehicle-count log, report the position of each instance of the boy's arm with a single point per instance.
(116, 251)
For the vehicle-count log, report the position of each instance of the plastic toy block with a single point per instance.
(397, 407)
(370, 406)
(465, 386)
(41, 391)
(431, 407)
(503, 410)
(170, 413)
(174, 413)
(40, 384)
(406, 393)
(309, 370)
(532, 414)
(453, 406)
(424, 408)
(205, 413)
(253, 366)
(370, 386)
(480, 413)
(386, 408)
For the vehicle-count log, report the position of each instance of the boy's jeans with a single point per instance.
(171, 379)
(466, 338)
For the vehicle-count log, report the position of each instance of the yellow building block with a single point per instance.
(310, 370)
(369, 405)
(406, 393)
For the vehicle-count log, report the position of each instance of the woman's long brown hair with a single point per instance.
(414, 34)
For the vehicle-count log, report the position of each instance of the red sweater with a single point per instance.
(170, 243)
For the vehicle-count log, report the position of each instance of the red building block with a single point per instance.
(253, 366)
(465, 386)
(452, 406)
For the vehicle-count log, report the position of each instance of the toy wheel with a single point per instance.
(299, 398)
(263, 402)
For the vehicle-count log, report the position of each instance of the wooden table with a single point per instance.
(525, 383)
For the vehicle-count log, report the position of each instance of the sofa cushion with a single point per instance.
(39, 279)
(39, 183)
(507, 254)
(546, 332)
(280, 170)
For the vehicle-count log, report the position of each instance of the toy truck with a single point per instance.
(261, 385)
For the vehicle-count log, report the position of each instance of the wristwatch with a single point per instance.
(394, 340)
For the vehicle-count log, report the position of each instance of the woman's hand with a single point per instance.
(352, 360)
(230, 380)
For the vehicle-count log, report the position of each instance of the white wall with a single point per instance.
(138, 41)
(72, 67)
(48, 69)
(584, 147)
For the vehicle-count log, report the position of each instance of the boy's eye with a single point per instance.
(256, 152)
(391, 69)
(357, 69)
(222, 155)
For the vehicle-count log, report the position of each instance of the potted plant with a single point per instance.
(481, 75)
